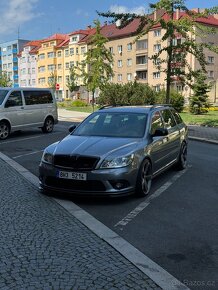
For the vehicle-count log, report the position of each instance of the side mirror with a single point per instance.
(160, 132)
(72, 128)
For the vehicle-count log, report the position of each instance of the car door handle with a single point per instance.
(165, 139)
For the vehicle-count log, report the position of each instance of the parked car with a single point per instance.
(22, 108)
(115, 151)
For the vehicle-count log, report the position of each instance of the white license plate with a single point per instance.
(72, 175)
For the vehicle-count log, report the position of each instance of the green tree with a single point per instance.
(175, 63)
(52, 80)
(4, 80)
(177, 99)
(72, 81)
(96, 68)
(199, 100)
(132, 93)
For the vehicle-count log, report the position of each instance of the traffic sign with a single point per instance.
(57, 87)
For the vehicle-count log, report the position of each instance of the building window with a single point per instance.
(41, 80)
(59, 66)
(74, 39)
(157, 88)
(33, 70)
(120, 49)
(33, 82)
(59, 53)
(71, 63)
(66, 52)
(111, 49)
(71, 51)
(129, 62)
(211, 74)
(156, 75)
(157, 47)
(119, 63)
(210, 59)
(129, 76)
(67, 65)
(52, 43)
(142, 75)
(77, 50)
(129, 46)
(41, 69)
(59, 79)
(141, 44)
(51, 54)
(51, 67)
(45, 45)
(157, 32)
(142, 59)
(42, 56)
(67, 78)
(83, 50)
(119, 77)
(10, 66)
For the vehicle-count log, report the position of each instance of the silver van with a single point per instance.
(22, 108)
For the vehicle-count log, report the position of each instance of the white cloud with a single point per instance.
(140, 10)
(15, 13)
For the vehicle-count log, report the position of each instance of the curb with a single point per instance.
(155, 272)
(205, 140)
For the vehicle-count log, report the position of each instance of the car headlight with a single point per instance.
(117, 162)
(47, 157)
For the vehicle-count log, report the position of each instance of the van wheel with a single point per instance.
(143, 183)
(4, 130)
(48, 125)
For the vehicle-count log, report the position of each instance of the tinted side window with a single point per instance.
(177, 117)
(156, 122)
(15, 99)
(37, 97)
(168, 119)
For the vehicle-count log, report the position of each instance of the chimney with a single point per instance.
(105, 23)
(155, 15)
(89, 27)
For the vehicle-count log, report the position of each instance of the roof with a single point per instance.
(56, 36)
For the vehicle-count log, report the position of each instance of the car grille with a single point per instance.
(76, 162)
(88, 185)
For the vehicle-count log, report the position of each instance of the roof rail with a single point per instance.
(112, 106)
(161, 105)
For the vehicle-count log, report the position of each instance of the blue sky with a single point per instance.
(36, 19)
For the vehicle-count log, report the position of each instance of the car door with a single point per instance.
(14, 110)
(173, 137)
(158, 148)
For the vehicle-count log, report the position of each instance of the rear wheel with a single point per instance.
(143, 184)
(182, 160)
(4, 130)
(48, 125)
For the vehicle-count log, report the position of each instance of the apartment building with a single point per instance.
(9, 59)
(27, 64)
(132, 58)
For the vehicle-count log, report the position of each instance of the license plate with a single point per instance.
(72, 175)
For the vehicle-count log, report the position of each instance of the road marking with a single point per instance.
(130, 216)
(31, 153)
(24, 139)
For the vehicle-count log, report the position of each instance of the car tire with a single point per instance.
(182, 159)
(4, 130)
(143, 183)
(48, 125)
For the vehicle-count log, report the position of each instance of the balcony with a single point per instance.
(15, 59)
(15, 68)
(14, 50)
(15, 77)
(16, 85)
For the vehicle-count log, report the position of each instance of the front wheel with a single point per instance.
(48, 125)
(4, 130)
(143, 184)
(182, 160)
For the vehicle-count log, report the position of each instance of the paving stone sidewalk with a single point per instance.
(44, 247)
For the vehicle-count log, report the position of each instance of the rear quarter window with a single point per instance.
(177, 117)
(37, 97)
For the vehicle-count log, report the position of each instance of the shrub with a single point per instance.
(176, 99)
(78, 103)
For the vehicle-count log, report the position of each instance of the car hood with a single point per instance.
(95, 146)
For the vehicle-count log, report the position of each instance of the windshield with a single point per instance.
(3, 94)
(124, 125)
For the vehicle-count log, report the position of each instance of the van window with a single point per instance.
(37, 97)
(3, 94)
(15, 99)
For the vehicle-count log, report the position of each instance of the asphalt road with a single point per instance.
(176, 226)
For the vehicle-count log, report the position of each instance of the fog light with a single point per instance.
(119, 184)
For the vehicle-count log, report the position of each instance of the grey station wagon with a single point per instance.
(115, 151)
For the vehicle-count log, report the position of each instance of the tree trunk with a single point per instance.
(93, 101)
